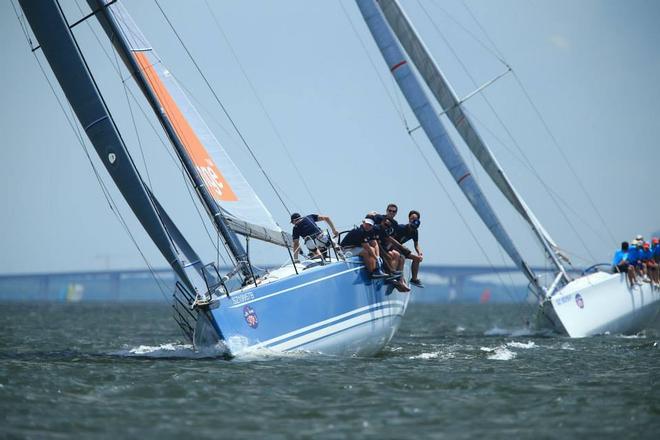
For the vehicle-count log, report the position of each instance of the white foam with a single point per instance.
(567, 346)
(500, 353)
(432, 355)
(514, 344)
(460, 329)
(172, 350)
(639, 336)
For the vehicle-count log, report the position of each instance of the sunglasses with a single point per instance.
(392, 210)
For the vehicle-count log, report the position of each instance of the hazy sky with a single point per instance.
(590, 67)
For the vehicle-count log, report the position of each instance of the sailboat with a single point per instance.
(591, 304)
(329, 306)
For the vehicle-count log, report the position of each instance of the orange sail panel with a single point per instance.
(214, 180)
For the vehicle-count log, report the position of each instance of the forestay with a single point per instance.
(244, 211)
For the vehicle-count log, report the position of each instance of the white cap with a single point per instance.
(368, 220)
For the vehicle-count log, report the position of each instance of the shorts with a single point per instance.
(621, 267)
(321, 241)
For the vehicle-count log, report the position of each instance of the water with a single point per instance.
(453, 371)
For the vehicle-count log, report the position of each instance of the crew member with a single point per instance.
(621, 263)
(365, 237)
(410, 232)
(316, 240)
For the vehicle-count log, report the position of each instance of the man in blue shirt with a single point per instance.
(365, 236)
(410, 232)
(651, 267)
(316, 240)
(621, 263)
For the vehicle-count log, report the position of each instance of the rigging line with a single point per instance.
(458, 211)
(373, 65)
(263, 107)
(556, 197)
(137, 133)
(177, 163)
(547, 128)
(563, 155)
(74, 127)
(224, 109)
(107, 109)
(493, 51)
(483, 31)
(506, 129)
(106, 193)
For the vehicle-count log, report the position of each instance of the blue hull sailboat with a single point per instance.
(328, 306)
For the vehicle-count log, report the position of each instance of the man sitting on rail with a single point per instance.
(410, 232)
(365, 236)
(621, 263)
(646, 255)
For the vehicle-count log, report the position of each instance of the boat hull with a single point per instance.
(331, 309)
(601, 303)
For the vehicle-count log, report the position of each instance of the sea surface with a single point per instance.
(452, 372)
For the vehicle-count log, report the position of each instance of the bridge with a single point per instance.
(141, 284)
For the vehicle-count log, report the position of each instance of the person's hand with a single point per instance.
(335, 233)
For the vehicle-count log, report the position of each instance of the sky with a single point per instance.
(304, 80)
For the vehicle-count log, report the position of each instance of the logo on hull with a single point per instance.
(579, 301)
(250, 317)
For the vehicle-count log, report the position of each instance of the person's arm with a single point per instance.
(326, 219)
(418, 249)
(398, 246)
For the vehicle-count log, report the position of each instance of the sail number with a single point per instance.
(211, 179)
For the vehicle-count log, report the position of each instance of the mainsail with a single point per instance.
(242, 209)
(62, 53)
(435, 131)
(451, 105)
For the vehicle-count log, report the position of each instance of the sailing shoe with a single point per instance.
(416, 283)
(400, 286)
(378, 274)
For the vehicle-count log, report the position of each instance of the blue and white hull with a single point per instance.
(331, 309)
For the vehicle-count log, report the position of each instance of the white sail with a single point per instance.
(223, 179)
(449, 102)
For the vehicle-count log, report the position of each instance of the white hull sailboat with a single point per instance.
(601, 303)
(591, 304)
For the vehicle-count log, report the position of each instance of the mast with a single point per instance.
(446, 97)
(118, 40)
(420, 104)
(61, 50)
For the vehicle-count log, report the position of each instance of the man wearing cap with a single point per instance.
(365, 237)
(410, 232)
(316, 240)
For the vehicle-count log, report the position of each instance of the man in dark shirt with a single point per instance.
(410, 232)
(365, 236)
(316, 240)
